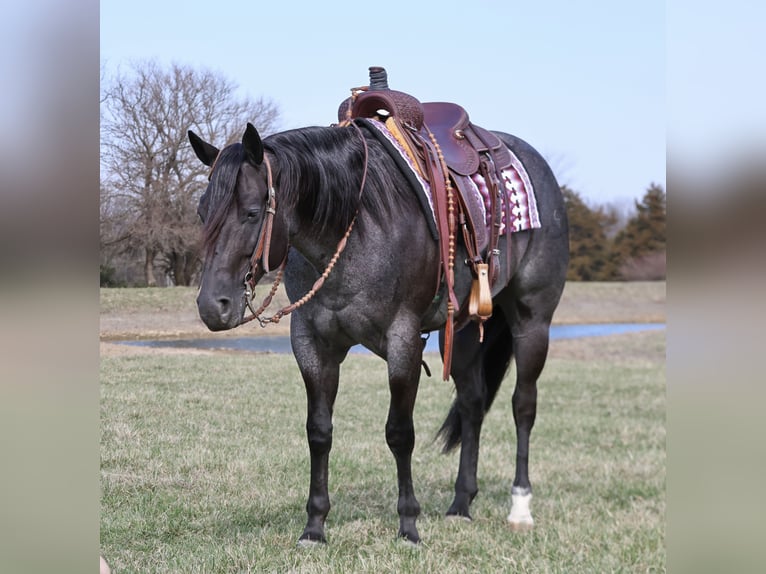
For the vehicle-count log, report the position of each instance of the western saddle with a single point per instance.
(447, 150)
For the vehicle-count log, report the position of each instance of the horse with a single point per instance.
(360, 266)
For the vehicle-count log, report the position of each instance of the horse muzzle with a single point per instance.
(220, 312)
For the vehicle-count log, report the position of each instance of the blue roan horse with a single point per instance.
(380, 289)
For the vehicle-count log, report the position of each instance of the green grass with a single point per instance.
(204, 468)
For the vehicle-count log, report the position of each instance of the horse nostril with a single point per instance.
(224, 305)
(216, 311)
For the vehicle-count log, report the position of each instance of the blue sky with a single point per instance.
(583, 82)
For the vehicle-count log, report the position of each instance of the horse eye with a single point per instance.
(252, 215)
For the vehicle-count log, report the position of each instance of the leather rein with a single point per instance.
(260, 257)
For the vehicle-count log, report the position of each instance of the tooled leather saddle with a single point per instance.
(448, 151)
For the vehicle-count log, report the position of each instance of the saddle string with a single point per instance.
(450, 271)
(276, 317)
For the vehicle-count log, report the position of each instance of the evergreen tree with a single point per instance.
(590, 257)
(642, 241)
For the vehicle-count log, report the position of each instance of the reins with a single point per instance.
(260, 254)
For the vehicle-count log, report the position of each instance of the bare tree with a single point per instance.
(150, 179)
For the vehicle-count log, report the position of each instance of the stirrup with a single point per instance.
(480, 300)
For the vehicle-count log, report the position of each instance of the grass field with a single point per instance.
(204, 463)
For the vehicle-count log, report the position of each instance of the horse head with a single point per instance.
(237, 211)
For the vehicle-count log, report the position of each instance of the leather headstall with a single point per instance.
(264, 259)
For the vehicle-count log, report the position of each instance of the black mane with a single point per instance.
(318, 173)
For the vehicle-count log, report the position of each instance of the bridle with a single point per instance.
(260, 257)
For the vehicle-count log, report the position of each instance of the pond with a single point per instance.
(281, 344)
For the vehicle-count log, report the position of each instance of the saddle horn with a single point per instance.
(378, 96)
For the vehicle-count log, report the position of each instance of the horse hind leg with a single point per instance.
(463, 424)
(478, 371)
(531, 349)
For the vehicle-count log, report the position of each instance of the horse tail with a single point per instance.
(496, 359)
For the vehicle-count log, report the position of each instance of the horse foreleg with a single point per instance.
(531, 347)
(404, 375)
(321, 390)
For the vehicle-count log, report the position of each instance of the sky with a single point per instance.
(584, 82)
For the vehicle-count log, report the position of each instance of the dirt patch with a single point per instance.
(113, 349)
(142, 326)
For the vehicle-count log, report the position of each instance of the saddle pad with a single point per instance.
(518, 187)
(519, 192)
(402, 159)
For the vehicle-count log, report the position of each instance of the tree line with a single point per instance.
(604, 248)
(151, 183)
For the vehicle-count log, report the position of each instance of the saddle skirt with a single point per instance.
(517, 190)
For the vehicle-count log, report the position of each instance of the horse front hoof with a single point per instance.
(308, 543)
(409, 540)
(522, 526)
(311, 540)
(409, 534)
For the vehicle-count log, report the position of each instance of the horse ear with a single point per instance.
(253, 144)
(203, 150)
